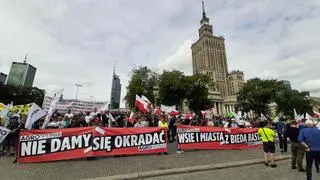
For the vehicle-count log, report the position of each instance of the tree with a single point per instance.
(197, 92)
(142, 82)
(172, 87)
(287, 100)
(257, 94)
(21, 95)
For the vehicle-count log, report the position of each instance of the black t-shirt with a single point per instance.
(293, 133)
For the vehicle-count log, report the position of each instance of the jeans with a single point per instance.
(310, 157)
(283, 142)
(297, 154)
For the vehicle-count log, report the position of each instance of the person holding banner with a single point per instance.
(268, 135)
(163, 124)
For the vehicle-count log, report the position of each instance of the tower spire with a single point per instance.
(204, 19)
(203, 10)
(25, 58)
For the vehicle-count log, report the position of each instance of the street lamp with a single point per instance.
(92, 98)
(78, 85)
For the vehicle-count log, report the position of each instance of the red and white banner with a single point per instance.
(72, 143)
(205, 137)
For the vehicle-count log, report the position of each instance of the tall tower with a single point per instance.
(209, 56)
(115, 91)
(21, 74)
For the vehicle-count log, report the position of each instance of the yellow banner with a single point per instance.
(22, 109)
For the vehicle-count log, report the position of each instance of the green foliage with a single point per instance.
(172, 87)
(142, 82)
(197, 92)
(257, 94)
(287, 100)
(21, 95)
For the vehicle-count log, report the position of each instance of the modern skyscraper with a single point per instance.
(286, 84)
(115, 91)
(21, 74)
(209, 57)
(3, 78)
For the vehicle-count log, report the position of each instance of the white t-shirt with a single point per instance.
(145, 123)
(210, 123)
(87, 119)
(139, 125)
(70, 116)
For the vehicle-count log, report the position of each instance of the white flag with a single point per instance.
(111, 120)
(168, 109)
(295, 113)
(3, 133)
(4, 112)
(145, 99)
(263, 118)
(53, 106)
(34, 114)
(308, 117)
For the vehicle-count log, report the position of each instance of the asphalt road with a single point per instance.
(108, 166)
(254, 172)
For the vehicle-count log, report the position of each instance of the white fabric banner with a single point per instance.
(168, 109)
(4, 112)
(53, 106)
(34, 114)
(3, 133)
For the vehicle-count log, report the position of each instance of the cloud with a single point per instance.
(265, 41)
(180, 60)
(79, 41)
(311, 85)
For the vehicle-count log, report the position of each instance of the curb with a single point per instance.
(155, 173)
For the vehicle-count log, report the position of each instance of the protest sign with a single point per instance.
(205, 137)
(3, 133)
(71, 143)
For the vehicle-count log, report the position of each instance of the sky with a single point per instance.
(79, 41)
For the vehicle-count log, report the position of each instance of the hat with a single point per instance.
(309, 122)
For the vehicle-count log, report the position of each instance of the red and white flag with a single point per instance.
(316, 114)
(141, 104)
(147, 101)
(131, 118)
(157, 111)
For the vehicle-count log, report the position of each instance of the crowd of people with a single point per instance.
(114, 119)
(304, 138)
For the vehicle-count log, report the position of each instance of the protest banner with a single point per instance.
(205, 137)
(3, 133)
(35, 113)
(72, 143)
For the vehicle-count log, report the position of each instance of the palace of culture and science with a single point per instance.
(209, 57)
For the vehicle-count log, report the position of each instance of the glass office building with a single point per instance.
(21, 74)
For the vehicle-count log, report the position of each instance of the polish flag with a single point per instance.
(132, 118)
(141, 104)
(316, 114)
(157, 111)
(173, 113)
(147, 101)
(204, 114)
(188, 116)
